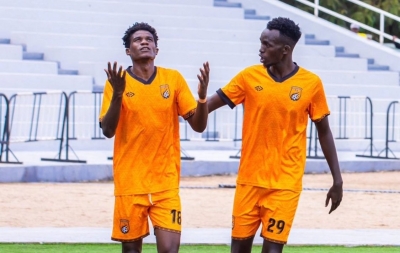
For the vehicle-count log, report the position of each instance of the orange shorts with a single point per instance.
(132, 212)
(275, 209)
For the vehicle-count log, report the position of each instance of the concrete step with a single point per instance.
(224, 3)
(332, 63)
(17, 82)
(314, 50)
(375, 67)
(173, 2)
(227, 71)
(257, 17)
(38, 41)
(242, 60)
(339, 49)
(68, 72)
(332, 88)
(4, 41)
(347, 55)
(372, 91)
(340, 52)
(371, 66)
(69, 57)
(310, 39)
(316, 42)
(120, 23)
(33, 56)
(327, 76)
(360, 77)
(196, 59)
(88, 8)
(174, 30)
(10, 52)
(20, 66)
(250, 12)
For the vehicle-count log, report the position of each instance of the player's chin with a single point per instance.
(146, 57)
(267, 64)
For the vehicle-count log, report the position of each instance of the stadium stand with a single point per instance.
(64, 45)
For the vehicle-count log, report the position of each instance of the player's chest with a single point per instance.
(279, 96)
(158, 97)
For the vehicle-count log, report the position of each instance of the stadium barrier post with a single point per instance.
(5, 132)
(369, 114)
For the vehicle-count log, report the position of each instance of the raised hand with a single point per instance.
(116, 78)
(204, 77)
(335, 194)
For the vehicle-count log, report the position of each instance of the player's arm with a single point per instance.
(335, 193)
(198, 121)
(214, 102)
(110, 120)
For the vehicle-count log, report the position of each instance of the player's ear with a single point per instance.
(286, 49)
(127, 51)
(157, 50)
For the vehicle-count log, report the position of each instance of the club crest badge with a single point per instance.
(295, 93)
(164, 89)
(130, 94)
(124, 226)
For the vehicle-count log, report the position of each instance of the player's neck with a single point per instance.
(282, 69)
(144, 70)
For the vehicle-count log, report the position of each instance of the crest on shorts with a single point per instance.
(295, 93)
(164, 89)
(124, 226)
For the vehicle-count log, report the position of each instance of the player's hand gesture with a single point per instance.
(204, 77)
(116, 78)
(335, 194)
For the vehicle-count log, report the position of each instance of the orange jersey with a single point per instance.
(274, 125)
(147, 146)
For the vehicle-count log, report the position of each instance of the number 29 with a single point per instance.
(272, 223)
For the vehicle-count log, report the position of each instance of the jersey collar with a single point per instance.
(129, 70)
(281, 80)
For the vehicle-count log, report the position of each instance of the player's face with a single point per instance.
(142, 46)
(272, 48)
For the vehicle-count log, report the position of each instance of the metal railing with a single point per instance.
(392, 134)
(5, 150)
(84, 112)
(351, 118)
(37, 116)
(382, 15)
(81, 122)
(224, 124)
(32, 117)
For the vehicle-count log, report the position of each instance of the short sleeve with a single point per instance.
(185, 100)
(233, 93)
(318, 105)
(107, 95)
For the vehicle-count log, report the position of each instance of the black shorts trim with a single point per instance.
(318, 120)
(242, 238)
(272, 240)
(130, 240)
(167, 229)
